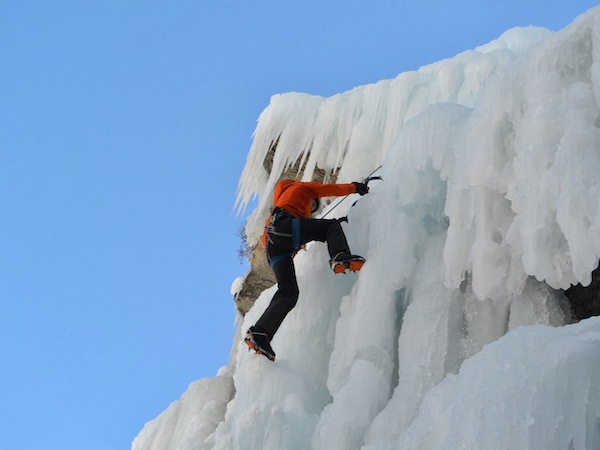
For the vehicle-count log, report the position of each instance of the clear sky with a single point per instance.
(125, 127)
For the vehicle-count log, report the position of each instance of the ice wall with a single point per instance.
(489, 205)
(192, 418)
(535, 388)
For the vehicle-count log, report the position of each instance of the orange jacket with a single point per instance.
(295, 196)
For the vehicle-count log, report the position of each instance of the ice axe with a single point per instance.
(345, 218)
(371, 179)
(365, 181)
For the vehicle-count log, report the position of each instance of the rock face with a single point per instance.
(260, 276)
(585, 301)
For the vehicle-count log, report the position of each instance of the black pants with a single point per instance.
(280, 250)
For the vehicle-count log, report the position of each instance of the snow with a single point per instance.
(237, 285)
(456, 333)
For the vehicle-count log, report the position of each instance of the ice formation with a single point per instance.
(456, 333)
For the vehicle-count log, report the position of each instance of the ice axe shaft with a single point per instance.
(365, 181)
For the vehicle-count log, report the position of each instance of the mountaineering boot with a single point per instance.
(343, 261)
(258, 340)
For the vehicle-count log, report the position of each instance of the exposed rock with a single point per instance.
(585, 301)
(259, 278)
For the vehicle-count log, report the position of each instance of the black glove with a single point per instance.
(361, 188)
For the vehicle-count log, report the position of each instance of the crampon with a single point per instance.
(352, 263)
(259, 342)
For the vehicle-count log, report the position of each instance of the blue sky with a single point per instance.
(125, 127)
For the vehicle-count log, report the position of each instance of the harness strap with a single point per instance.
(275, 259)
(271, 228)
(296, 232)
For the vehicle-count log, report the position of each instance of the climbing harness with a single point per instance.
(271, 228)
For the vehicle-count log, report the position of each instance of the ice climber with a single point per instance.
(289, 227)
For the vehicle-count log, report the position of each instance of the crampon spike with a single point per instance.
(355, 266)
(339, 268)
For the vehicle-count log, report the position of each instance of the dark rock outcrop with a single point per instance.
(585, 300)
